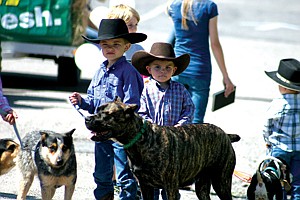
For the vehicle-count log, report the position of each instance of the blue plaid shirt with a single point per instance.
(121, 79)
(283, 125)
(166, 107)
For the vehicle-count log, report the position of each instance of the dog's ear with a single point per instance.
(70, 133)
(130, 108)
(11, 146)
(44, 136)
(117, 98)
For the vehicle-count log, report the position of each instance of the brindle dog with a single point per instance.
(169, 157)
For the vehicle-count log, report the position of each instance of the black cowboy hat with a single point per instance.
(288, 74)
(115, 28)
(159, 51)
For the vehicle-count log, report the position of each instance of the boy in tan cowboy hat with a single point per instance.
(115, 77)
(282, 127)
(163, 101)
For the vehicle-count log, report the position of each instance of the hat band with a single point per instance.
(285, 80)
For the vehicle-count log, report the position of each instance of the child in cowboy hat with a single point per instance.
(282, 127)
(163, 101)
(115, 77)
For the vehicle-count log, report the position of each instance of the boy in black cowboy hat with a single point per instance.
(282, 128)
(163, 101)
(115, 77)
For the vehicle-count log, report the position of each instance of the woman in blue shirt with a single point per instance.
(195, 22)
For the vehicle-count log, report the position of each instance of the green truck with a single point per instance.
(46, 29)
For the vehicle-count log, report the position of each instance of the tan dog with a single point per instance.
(8, 152)
(52, 157)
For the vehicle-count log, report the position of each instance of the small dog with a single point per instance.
(169, 157)
(271, 175)
(52, 157)
(8, 152)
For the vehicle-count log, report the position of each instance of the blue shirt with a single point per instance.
(195, 40)
(121, 79)
(282, 128)
(166, 107)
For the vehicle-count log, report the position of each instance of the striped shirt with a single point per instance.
(282, 128)
(166, 107)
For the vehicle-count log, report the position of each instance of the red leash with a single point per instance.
(243, 176)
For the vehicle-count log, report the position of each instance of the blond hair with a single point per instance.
(186, 9)
(124, 12)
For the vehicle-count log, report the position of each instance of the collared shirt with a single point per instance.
(166, 107)
(121, 79)
(3, 101)
(282, 128)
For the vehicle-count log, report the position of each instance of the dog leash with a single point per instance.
(243, 176)
(3, 113)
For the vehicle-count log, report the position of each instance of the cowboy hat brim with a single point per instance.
(274, 76)
(130, 37)
(141, 59)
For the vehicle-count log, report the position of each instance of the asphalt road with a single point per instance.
(255, 35)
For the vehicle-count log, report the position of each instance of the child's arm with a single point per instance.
(187, 113)
(267, 132)
(144, 111)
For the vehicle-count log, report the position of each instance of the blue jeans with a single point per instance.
(107, 154)
(293, 161)
(199, 91)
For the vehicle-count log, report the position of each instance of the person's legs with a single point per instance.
(125, 179)
(199, 90)
(104, 158)
(156, 194)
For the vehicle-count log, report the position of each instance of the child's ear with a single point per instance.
(127, 46)
(148, 69)
(174, 70)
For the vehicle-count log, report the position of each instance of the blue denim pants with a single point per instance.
(199, 91)
(293, 161)
(107, 154)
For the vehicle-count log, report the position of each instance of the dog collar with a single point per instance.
(274, 171)
(137, 137)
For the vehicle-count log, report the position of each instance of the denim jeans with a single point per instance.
(107, 154)
(293, 161)
(199, 91)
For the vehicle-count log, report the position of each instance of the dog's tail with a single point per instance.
(234, 137)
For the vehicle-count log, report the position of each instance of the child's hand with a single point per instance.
(11, 117)
(75, 98)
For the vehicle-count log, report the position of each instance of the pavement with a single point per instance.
(246, 61)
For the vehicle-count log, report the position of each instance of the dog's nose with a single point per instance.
(59, 162)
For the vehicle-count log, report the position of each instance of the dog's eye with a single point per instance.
(52, 149)
(64, 148)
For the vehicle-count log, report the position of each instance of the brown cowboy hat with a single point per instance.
(159, 51)
(115, 28)
(288, 74)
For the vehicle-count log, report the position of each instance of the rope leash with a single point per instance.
(3, 113)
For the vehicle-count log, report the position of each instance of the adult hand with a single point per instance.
(11, 117)
(229, 87)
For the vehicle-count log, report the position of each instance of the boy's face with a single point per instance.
(132, 25)
(161, 70)
(113, 49)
